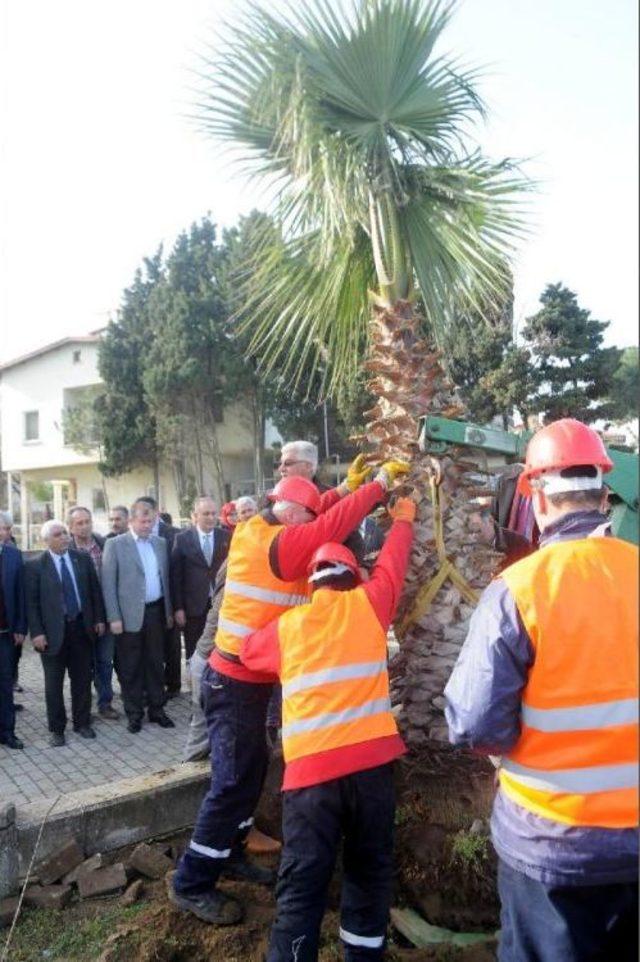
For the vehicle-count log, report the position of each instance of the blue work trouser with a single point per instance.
(103, 650)
(7, 666)
(236, 713)
(579, 923)
(358, 809)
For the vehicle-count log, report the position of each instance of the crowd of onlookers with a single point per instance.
(92, 605)
(128, 603)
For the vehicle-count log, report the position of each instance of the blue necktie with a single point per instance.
(71, 608)
(208, 548)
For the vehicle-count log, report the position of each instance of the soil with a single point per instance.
(444, 871)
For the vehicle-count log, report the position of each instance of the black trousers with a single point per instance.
(236, 713)
(193, 630)
(358, 809)
(577, 923)
(74, 657)
(140, 657)
(172, 669)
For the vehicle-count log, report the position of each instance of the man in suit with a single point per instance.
(83, 538)
(135, 582)
(65, 612)
(6, 537)
(197, 555)
(172, 673)
(13, 628)
(119, 521)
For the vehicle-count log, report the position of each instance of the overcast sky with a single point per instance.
(99, 163)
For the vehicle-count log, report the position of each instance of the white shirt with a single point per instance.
(152, 581)
(67, 560)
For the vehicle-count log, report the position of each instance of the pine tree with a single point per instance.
(573, 371)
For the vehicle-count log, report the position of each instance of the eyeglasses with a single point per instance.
(288, 464)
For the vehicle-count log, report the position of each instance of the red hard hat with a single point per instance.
(563, 444)
(334, 553)
(299, 490)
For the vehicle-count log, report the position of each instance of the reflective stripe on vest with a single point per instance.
(265, 594)
(239, 631)
(335, 685)
(576, 760)
(583, 717)
(583, 781)
(365, 669)
(336, 718)
(253, 596)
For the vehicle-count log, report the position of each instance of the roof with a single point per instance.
(85, 339)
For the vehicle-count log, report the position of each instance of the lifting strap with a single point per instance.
(447, 569)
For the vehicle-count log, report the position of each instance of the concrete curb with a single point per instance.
(119, 813)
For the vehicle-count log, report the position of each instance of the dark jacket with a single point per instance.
(45, 612)
(191, 577)
(13, 589)
(168, 532)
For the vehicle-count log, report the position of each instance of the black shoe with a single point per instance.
(11, 742)
(85, 732)
(240, 868)
(163, 720)
(18, 707)
(212, 907)
(57, 739)
(134, 727)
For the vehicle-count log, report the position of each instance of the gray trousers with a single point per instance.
(197, 745)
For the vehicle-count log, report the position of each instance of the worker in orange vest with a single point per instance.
(266, 575)
(548, 681)
(339, 739)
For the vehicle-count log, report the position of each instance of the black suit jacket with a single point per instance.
(168, 532)
(45, 611)
(191, 576)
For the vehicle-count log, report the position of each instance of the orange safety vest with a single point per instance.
(335, 686)
(253, 596)
(576, 760)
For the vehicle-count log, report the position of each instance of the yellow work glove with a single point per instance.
(391, 470)
(403, 510)
(358, 473)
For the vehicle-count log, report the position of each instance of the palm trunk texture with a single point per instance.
(409, 382)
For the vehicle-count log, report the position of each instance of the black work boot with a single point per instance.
(212, 907)
(240, 868)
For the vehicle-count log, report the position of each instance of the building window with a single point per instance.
(32, 425)
(99, 500)
(77, 356)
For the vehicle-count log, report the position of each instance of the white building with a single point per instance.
(46, 476)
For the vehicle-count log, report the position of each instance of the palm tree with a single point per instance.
(347, 110)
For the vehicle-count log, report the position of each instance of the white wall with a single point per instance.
(38, 385)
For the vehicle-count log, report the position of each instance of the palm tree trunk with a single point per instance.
(409, 382)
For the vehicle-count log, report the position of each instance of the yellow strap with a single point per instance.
(447, 569)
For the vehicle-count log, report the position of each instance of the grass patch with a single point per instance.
(52, 936)
(469, 852)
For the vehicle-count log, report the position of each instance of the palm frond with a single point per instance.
(346, 107)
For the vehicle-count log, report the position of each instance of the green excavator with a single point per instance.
(490, 446)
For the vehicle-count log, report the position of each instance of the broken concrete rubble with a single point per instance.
(149, 861)
(102, 881)
(133, 893)
(47, 897)
(64, 858)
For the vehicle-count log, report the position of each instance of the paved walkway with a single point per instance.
(41, 772)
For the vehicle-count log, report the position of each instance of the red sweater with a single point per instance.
(261, 653)
(292, 549)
